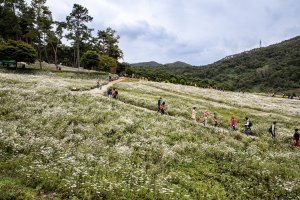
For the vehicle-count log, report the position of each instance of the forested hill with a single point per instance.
(147, 64)
(272, 68)
(156, 64)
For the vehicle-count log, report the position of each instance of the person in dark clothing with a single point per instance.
(215, 118)
(158, 104)
(109, 93)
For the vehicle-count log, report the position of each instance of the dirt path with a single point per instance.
(97, 91)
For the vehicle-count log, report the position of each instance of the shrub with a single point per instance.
(91, 60)
(107, 62)
(18, 51)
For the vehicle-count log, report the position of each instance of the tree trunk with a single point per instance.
(78, 58)
(46, 54)
(40, 55)
(74, 61)
(55, 55)
(55, 58)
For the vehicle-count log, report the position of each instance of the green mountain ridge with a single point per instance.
(146, 64)
(272, 68)
(156, 64)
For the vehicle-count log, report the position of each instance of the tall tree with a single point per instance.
(108, 43)
(77, 27)
(10, 14)
(42, 23)
(54, 39)
(27, 25)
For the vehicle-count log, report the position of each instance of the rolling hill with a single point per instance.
(177, 64)
(146, 64)
(56, 143)
(156, 64)
(272, 68)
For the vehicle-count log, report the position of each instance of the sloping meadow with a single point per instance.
(60, 144)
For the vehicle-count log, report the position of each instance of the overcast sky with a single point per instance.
(194, 31)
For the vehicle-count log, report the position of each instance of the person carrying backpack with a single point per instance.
(248, 125)
(272, 130)
(296, 137)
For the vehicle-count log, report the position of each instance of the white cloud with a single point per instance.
(195, 31)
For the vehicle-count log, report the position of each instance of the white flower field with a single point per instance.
(59, 144)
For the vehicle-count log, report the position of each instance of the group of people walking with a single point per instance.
(215, 119)
(248, 125)
(161, 105)
(205, 117)
(112, 93)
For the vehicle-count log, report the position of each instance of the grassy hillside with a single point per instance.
(272, 68)
(59, 144)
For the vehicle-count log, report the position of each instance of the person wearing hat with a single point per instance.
(296, 138)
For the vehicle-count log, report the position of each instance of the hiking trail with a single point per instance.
(97, 91)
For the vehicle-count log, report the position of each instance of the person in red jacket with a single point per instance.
(233, 123)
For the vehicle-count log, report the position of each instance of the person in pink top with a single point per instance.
(233, 123)
(205, 115)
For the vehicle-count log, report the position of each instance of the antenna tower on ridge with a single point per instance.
(259, 43)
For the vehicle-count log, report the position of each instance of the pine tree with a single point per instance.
(10, 15)
(42, 23)
(54, 39)
(78, 29)
(108, 43)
